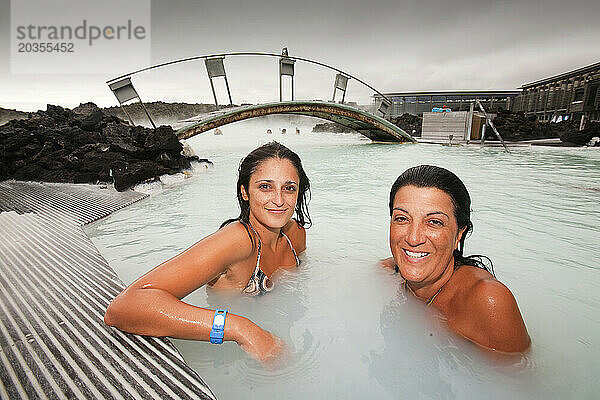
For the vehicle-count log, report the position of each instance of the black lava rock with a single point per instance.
(86, 146)
(409, 123)
(580, 138)
(515, 126)
(331, 127)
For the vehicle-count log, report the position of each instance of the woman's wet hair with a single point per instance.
(430, 176)
(252, 161)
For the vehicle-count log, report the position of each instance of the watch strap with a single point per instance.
(217, 331)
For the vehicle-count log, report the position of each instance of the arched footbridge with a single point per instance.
(370, 125)
(373, 126)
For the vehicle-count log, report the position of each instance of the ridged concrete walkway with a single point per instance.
(54, 289)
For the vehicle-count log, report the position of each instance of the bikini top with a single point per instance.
(259, 282)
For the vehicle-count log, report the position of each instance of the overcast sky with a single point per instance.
(392, 45)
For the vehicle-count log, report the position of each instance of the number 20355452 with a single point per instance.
(35, 47)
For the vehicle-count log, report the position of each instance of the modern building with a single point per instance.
(424, 101)
(572, 94)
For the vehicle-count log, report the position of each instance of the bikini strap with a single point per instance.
(292, 247)
(257, 268)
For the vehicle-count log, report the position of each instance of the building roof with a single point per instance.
(564, 75)
(452, 93)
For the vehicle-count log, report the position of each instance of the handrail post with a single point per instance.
(470, 121)
(489, 121)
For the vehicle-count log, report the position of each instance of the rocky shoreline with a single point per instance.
(8, 115)
(87, 145)
(162, 113)
(409, 123)
(513, 126)
(516, 127)
(331, 127)
(93, 145)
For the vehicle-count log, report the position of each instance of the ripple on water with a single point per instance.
(292, 365)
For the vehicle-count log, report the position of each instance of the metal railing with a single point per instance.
(123, 89)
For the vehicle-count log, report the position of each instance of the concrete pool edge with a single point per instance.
(55, 286)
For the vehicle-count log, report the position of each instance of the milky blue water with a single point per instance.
(351, 331)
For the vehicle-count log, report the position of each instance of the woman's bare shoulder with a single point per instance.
(235, 236)
(478, 284)
(477, 288)
(230, 244)
(297, 235)
(489, 314)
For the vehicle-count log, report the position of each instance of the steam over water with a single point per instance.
(351, 331)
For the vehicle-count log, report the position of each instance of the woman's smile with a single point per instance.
(415, 256)
(277, 210)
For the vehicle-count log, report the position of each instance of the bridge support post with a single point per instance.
(124, 91)
(384, 106)
(341, 81)
(286, 67)
(214, 69)
(212, 86)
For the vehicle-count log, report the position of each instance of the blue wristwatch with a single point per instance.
(218, 327)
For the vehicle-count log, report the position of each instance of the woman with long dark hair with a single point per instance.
(430, 210)
(243, 254)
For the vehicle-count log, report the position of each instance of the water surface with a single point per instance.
(350, 329)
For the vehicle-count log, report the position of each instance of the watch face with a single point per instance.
(219, 320)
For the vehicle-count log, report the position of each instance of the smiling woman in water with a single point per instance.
(430, 218)
(243, 255)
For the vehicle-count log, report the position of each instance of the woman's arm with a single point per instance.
(152, 304)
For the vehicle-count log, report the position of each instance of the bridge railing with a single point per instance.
(123, 89)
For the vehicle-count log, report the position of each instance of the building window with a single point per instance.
(592, 96)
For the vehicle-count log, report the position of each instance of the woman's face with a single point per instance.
(423, 233)
(272, 192)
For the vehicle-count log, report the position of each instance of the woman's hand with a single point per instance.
(259, 343)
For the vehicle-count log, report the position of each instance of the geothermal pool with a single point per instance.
(350, 329)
